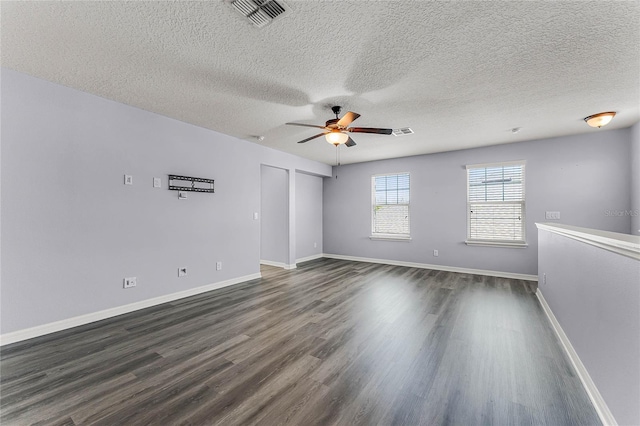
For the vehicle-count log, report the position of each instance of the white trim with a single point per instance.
(41, 330)
(624, 244)
(272, 263)
(277, 264)
(498, 164)
(594, 395)
(514, 244)
(308, 258)
(480, 203)
(392, 174)
(389, 237)
(499, 274)
(373, 206)
(522, 202)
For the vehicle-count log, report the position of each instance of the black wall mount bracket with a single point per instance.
(187, 183)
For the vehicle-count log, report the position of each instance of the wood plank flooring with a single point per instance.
(333, 342)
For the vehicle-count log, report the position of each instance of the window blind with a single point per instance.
(495, 203)
(391, 204)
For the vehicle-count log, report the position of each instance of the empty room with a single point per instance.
(306, 212)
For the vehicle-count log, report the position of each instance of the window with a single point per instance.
(390, 213)
(495, 204)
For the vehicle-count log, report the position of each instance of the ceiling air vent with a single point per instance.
(402, 132)
(260, 12)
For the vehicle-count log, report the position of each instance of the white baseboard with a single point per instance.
(41, 330)
(308, 258)
(513, 275)
(278, 264)
(596, 399)
(272, 263)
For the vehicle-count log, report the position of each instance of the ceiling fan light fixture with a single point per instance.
(600, 119)
(335, 130)
(336, 137)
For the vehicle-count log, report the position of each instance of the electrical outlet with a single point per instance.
(544, 278)
(128, 180)
(130, 282)
(182, 272)
(436, 253)
(157, 182)
(218, 266)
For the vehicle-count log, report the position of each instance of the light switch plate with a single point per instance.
(128, 180)
(157, 182)
(552, 215)
(130, 282)
(255, 216)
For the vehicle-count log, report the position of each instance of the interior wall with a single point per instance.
(308, 215)
(585, 177)
(274, 207)
(71, 230)
(635, 179)
(594, 295)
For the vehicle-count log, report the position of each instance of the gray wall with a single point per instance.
(71, 230)
(581, 176)
(635, 179)
(308, 215)
(274, 207)
(594, 295)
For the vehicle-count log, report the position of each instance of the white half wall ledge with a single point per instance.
(590, 387)
(41, 330)
(624, 244)
(484, 272)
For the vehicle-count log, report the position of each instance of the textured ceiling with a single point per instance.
(460, 74)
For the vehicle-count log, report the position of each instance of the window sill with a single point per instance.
(506, 244)
(390, 238)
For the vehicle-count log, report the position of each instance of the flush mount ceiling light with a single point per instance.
(599, 120)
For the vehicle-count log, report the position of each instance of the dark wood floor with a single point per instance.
(333, 342)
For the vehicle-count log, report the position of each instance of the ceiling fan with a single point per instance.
(336, 129)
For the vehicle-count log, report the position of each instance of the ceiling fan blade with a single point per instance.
(313, 137)
(370, 130)
(348, 118)
(350, 142)
(305, 125)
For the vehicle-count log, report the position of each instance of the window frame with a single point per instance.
(389, 237)
(523, 203)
